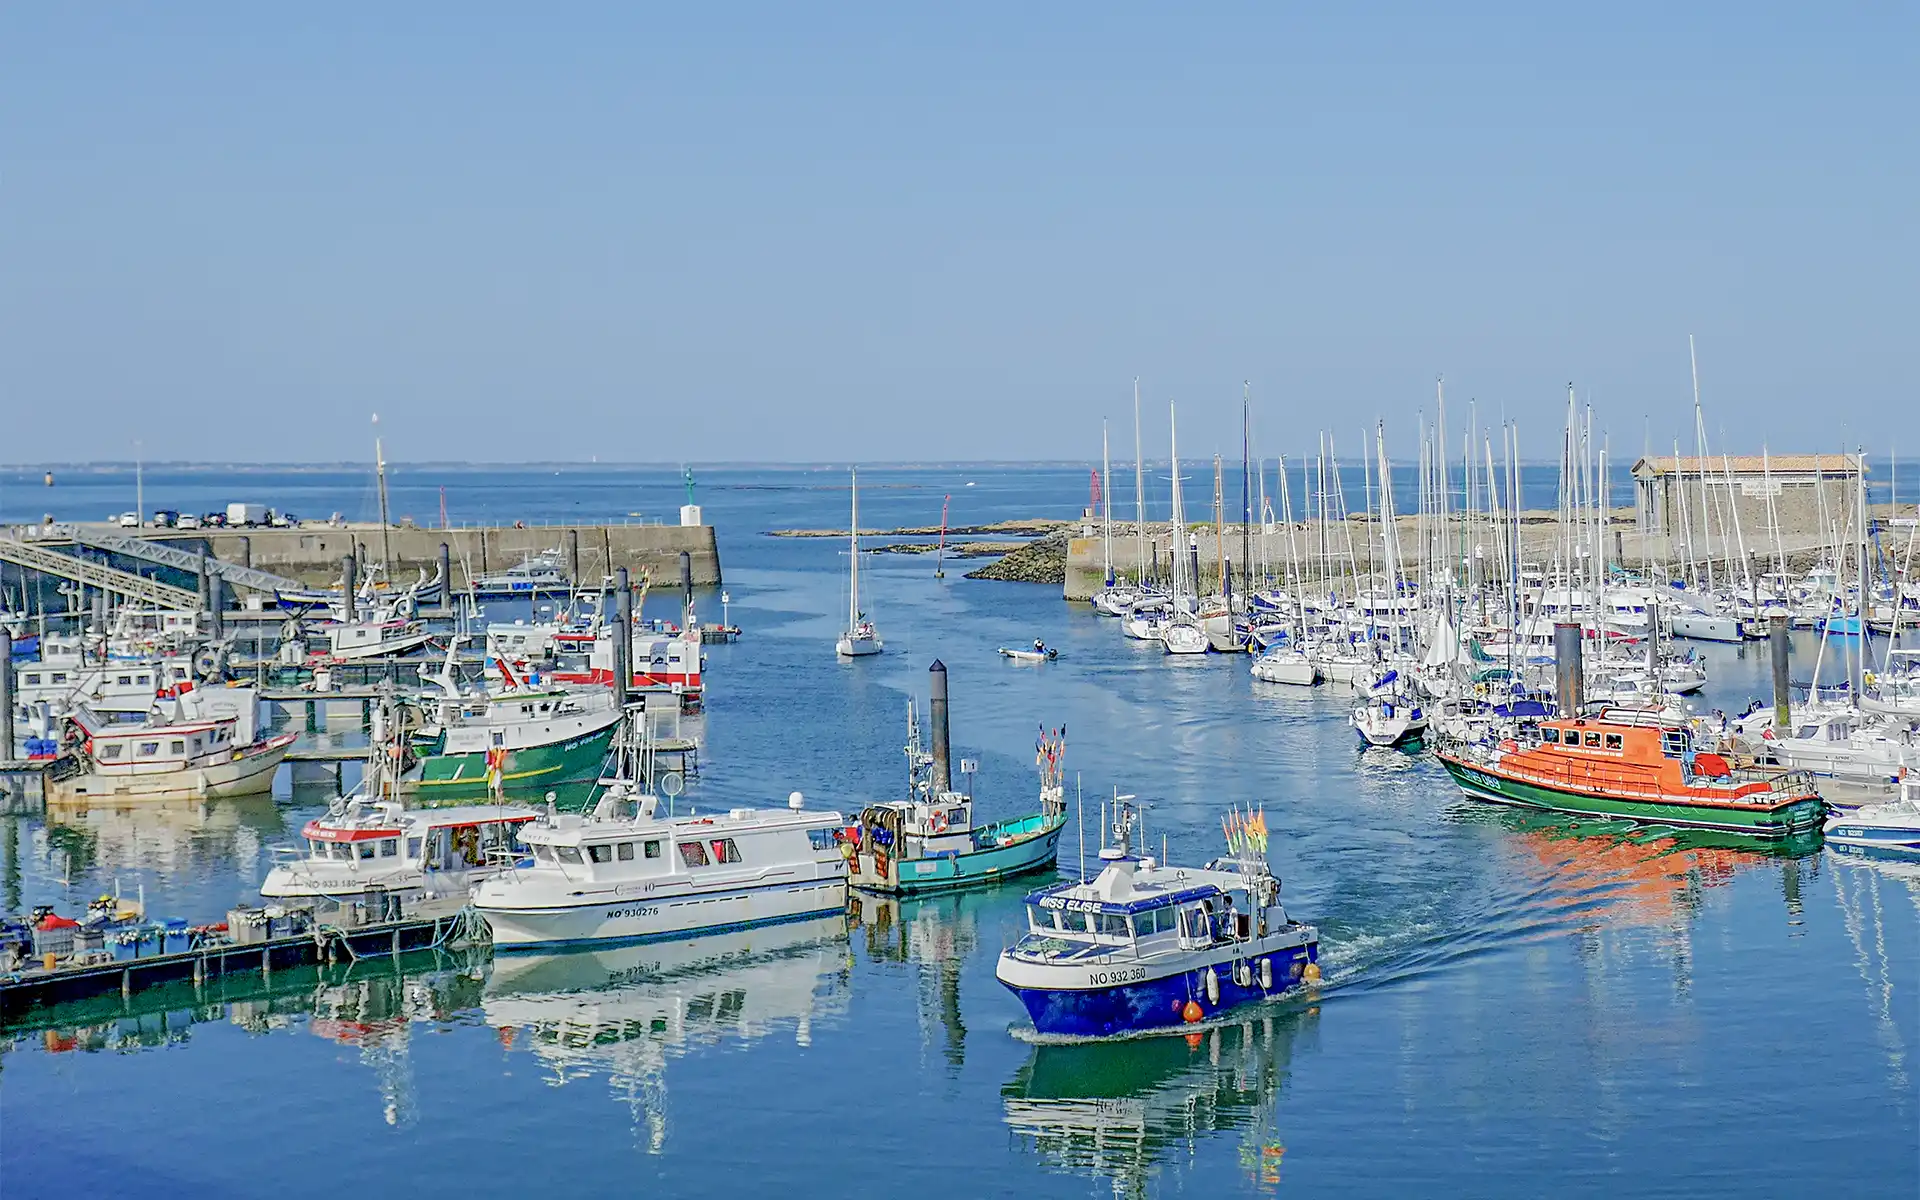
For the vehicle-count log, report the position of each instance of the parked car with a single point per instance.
(129, 520)
(215, 520)
(187, 521)
(165, 518)
(282, 520)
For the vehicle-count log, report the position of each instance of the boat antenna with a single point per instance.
(1080, 809)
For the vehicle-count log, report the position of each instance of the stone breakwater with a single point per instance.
(1043, 560)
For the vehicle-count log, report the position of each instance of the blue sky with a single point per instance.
(705, 232)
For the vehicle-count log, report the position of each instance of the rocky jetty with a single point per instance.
(1043, 560)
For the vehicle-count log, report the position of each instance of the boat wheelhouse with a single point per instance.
(382, 846)
(524, 738)
(1146, 946)
(929, 842)
(182, 758)
(1635, 763)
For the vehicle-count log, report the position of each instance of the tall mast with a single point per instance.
(1700, 450)
(1178, 540)
(853, 542)
(380, 477)
(1139, 492)
(1106, 504)
(1246, 493)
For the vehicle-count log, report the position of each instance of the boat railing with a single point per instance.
(503, 859)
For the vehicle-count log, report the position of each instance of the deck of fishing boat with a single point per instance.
(329, 934)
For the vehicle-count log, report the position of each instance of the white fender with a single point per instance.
(1266, 974)
(1213, 988)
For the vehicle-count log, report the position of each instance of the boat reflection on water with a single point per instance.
(622, 1013)
(173, 838)
(935, 936)
(1119, 1110)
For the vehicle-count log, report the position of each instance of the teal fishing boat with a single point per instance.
(929, 841)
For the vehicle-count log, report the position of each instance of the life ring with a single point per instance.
(1213, 988)
(938, 821)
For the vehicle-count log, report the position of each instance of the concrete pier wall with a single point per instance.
(312, 554)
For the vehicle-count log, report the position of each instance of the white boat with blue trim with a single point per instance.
(1891, 829)
(1146, 946)
(627, 872)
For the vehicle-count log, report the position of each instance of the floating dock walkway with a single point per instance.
(431, 924)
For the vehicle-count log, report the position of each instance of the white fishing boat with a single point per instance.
(195, 748)
(1147, 946)
(380, 635)
(626, 871)
(1841, 744)
(365, 844)
(860, 638)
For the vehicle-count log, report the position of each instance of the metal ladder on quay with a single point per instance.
(92, 574)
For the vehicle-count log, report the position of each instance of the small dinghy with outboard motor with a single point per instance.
(1041, 652)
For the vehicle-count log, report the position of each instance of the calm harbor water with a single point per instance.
(1514, 1006)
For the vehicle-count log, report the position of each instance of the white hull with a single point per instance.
(391, 646)
(1140, 628)
(245, 776)
(1343, 669)
(1296, 669)
(853, 647)
(1185, 639)
(308, 880)
(676, 914)
(1704, 627)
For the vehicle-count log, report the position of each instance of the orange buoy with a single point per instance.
(1191, 1012)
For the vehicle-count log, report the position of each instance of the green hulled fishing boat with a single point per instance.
(518, 740)
(929, 842)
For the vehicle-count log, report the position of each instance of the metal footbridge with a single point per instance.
(187, 560)
(111, 580)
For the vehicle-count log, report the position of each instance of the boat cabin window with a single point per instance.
(724, 851)
(31, 679)
(1196, 923)
(318, 847)
(389, 847)
(1112, 925)
(821, 839)
(1615, 741)
(110, 751)
(366, 849)
(543, 854)
(125, 681)
(1550, 736)
(568, 854)
(342, 852)
(624, 851)
(1673, 742)
(499, 739)
(413, 847)
(653, 849)
(179, 746)
(601, 853)
(199, 743)
(1593, 741)
(147, 750)
(693, 854)
(59, 677)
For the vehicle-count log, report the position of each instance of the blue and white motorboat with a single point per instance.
(1146, 946)
(1891, 829)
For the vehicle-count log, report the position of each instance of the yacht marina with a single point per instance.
(368, 864)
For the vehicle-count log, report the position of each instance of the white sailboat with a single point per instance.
(859, 640)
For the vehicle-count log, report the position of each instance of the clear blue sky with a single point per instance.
(698, 232)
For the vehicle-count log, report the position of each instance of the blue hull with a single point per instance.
(1156, 1003)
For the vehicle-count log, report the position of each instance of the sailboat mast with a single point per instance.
(1139, 492)
(853, 542)
(380, 478)
(1177, 543)
(1246, 493)
(1106, 505)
